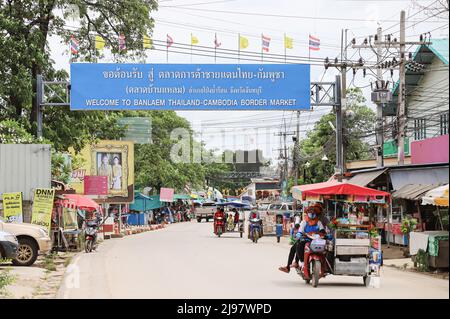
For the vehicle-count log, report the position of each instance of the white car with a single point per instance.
(33, 239)
(8, 245)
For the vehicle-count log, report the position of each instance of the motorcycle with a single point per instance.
(90, 236)
(255, 229)
(314, 266)
(219, 226)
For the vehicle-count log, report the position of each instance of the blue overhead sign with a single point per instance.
(114, 86)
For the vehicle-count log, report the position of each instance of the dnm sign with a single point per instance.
(189, 86)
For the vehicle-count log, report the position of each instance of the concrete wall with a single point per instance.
(431, 150)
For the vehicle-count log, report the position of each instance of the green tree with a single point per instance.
(25, 28)
(322, 139)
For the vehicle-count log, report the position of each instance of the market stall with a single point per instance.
(357, 243)
(434, 245)
(69, 212)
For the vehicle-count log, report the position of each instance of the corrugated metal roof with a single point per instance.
(413, 191)
(365, 178)
(24, 167)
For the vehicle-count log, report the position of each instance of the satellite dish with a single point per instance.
(147, 190)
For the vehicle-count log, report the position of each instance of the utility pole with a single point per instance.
(343, 105)
(379, 125)
(297, 149)
(285, 156)
(401, 94)
(381, 95)
(339, 139)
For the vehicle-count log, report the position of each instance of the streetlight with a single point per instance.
(325, 163)
(305, 167)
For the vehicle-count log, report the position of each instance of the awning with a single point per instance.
(437, 196)
(428, 175)
(80, 202)
(181, 197)
(413, 191)
(335, 188)
(365, 178)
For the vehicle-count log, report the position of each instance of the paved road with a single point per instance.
(187, 261)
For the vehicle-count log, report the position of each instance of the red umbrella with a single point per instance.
(81, 202)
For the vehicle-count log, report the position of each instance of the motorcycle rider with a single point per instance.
(295, 237)
(236, 216)
(219, 213)
(254, 214)
(310, 225)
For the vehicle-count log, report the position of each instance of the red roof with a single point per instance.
(337, 188)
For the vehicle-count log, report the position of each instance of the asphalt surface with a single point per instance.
(187, 260)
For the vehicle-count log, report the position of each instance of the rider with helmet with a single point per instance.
(254, 214)
(220, 213)
(310, 225)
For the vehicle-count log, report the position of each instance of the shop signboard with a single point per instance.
(12, 207)
(70, 218)
(41, 213)
(107, 164)
(95, 185)
(166, 194)
(112, 86)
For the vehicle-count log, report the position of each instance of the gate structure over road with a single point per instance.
(111, 86)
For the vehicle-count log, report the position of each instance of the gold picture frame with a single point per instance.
(116, 187)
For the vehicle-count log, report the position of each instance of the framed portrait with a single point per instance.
(111, 161)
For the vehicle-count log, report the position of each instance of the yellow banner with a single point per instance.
(99, 42)
(243, 42)
(288, 42)
(12, 207)
(41, 213)
(70, 218)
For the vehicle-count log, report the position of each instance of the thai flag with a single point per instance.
(169, 41)
(74, 45)
(265, 43)
(122, 44)
(314, 43)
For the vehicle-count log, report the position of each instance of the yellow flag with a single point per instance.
(147, 42)
(288, 42)
(99, 42)
(243, 42)
(194, 40)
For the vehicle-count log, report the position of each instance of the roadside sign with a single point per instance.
(96, 185)
(112, 86)
(12, 207)
(41, 213)
(166, 194)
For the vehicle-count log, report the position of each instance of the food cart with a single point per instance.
(353, 247)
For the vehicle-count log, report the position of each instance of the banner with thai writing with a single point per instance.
(12, 207)
(41, 213)
(112, 86)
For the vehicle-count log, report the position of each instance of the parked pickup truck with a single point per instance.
(32, 239)
(205, 211)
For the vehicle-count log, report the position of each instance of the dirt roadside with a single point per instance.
(40, 281)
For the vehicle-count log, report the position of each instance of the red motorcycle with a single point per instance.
(314, 266)
(219, 226)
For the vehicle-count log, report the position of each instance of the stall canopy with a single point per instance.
(413, 191)
(437, 196)
(181, 197)
(335, 188)
(365, 178)
(80, 202)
